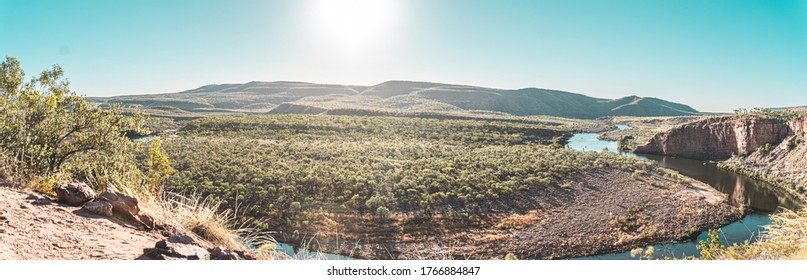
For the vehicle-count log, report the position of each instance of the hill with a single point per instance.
(391, 96)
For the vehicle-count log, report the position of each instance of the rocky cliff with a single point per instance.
(784, 164)
(721, 137)
(798, 126)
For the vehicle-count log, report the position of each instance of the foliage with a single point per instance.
(362, 128)
(783, 239)
(765, 149)
(382, 212)
(783, 114)
(44, 124)
(407, 165)
(711, 249)
(624, 143)
(793, 143)
(158, 166)
(644, 254)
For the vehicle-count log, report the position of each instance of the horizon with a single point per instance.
(714, 56)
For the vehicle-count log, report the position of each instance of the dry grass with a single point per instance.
(785, 239)
(200, 217)
(518, 221)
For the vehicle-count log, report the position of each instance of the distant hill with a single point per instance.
(396, 96)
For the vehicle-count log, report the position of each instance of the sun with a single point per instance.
(354, 26)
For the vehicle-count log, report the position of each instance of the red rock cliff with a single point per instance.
(720, 137)
(798, 126)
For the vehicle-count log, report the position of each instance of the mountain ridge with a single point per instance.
(398, 95)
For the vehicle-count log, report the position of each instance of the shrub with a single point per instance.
(382, 213)
(711, 249)
(793, 143)
(765, 149)
(45, 124)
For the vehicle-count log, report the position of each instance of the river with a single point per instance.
(762, 198)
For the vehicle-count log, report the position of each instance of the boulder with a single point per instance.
(147, 221)
(175, 247)
(75, 194)
(121, 203)
(99, 207)
(221, 253)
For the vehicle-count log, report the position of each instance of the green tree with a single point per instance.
(44, 124)
(624, 143)
(158, 166)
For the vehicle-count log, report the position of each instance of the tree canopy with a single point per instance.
(43, 124)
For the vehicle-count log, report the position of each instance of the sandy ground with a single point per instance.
(31, 230)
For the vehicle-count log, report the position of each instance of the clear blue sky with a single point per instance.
(715, 55)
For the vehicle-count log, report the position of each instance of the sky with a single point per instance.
(714, 55)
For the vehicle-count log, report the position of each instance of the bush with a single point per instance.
(765, 149)
(44, 124)
(793, 143)
(382, 212)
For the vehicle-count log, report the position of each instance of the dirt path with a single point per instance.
(31, 230)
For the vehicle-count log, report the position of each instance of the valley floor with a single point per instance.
(612, 212)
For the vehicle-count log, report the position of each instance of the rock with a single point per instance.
(42, 201)
(799, 125)
(99, 207)
(75, 194)
(121, 203)
(148, 222)
(221, 253)
(175, 247)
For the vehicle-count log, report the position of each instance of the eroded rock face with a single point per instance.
(799, 126)
(718, 138)
(75, 194)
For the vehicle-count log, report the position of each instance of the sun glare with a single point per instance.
(353, 26)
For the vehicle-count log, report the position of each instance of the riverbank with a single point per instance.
(610, 211)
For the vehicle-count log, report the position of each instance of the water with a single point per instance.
(747, 229)
(761, 197)
(589, 141)
(143, 139)
(299, 253)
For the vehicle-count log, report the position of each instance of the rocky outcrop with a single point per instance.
(720, 137)
(75, 194)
